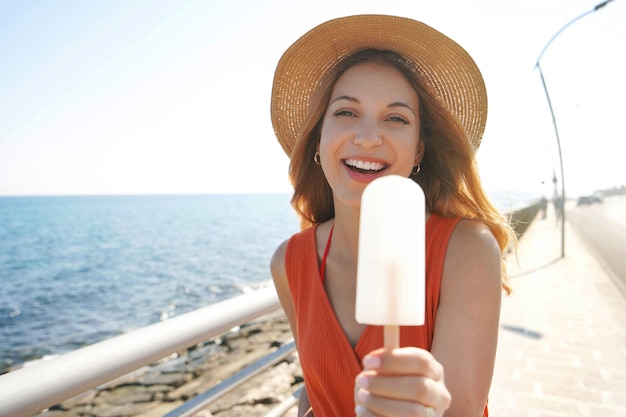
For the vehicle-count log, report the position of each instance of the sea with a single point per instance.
(76, 270)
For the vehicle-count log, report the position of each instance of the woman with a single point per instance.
(354, 99)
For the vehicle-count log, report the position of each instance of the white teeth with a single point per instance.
(365, 165)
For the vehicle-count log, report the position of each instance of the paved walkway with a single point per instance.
(562, 344)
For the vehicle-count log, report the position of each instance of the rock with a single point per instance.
(161, 409)
(124, 395)
(199, 385)
(172, 379)
(278, 382)
(73, 403)
(125, 410)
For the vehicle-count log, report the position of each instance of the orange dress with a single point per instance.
(329, 363)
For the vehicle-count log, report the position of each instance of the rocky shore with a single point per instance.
(155, 390)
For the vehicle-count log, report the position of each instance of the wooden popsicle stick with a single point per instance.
(392, 336)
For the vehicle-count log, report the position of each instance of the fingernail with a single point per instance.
(362, 381)
(371, 362)
(362, 395)
(358, 410)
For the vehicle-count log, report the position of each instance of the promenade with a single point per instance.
(562, 343)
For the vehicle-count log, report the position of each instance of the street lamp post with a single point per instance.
(559, 204)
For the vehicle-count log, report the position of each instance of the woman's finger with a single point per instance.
(404, 361)
(371, 405)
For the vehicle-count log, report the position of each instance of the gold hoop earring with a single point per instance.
(317, 158)
(416, 169)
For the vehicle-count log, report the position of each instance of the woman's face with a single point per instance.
(370, 129)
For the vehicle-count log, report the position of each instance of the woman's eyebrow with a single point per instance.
(402, 104)
(349, 98)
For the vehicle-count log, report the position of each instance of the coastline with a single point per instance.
(155, 390)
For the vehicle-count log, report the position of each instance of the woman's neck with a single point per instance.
(346, 231)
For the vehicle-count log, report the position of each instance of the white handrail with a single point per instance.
(29, 390)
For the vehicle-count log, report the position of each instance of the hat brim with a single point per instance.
(445, 67)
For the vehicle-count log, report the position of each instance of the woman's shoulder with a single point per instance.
(462, 228)
(474, 230)
(277, 262)
(473, 243)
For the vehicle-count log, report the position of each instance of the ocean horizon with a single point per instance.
(76, 270)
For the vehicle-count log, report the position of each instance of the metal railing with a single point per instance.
(201, 401)
(29, 390)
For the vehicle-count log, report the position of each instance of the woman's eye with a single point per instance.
(398, 119)
(345, 113)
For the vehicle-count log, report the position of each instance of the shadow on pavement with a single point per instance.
(522, 330)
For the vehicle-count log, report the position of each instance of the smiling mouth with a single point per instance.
(364, 166)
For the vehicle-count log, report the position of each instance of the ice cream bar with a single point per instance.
(391, 261)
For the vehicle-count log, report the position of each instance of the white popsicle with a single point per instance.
(391, 263)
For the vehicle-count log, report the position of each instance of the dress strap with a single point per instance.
(323, 265)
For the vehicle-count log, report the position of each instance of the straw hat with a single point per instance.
(443, 64)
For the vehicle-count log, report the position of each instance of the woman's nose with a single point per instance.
(367, 135)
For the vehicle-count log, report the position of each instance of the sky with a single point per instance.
(172, 97)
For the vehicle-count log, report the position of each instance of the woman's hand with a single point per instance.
(401, 382)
